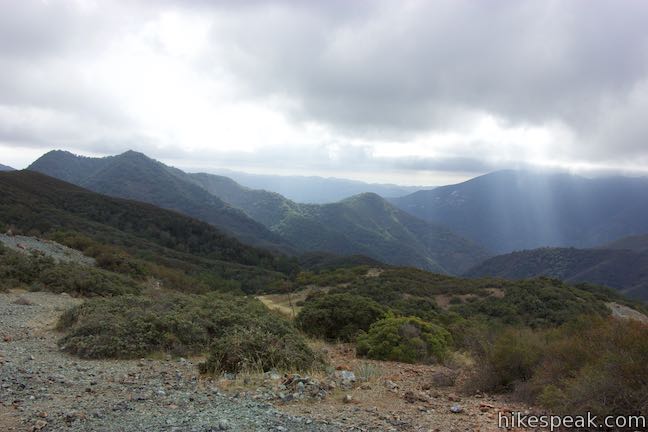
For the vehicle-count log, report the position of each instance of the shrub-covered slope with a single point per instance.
(123, 233)
(364, 224)
(134, 176)
(622, 269)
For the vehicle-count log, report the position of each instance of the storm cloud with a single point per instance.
(389, 90)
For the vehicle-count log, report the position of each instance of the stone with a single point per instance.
(39, 425)
(444, 378)
(456, 409)
(391, 385)
(347, 376)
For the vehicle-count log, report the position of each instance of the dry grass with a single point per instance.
(286, 304)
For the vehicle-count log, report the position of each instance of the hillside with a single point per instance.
(621, 269)
(134, 176)
(266, 207)
(513, 210)
(5, 168)
(362, 225)
(365, 224)
(638, 243)
(36, 204)
(316, 190)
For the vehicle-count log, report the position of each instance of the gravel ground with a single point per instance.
(44, 389)
(50, 248)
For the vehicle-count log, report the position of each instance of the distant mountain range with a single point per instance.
(317, 190)
(365, 224)
(568, 227)
(6, 168)
(625, 270)
(638, 243)
(513, 210)
(134, 176)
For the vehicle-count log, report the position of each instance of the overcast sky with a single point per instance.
(412, 92)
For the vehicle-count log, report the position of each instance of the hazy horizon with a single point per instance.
(407, 93)
(279, 172)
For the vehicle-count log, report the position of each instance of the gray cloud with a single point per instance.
(417, 64)
(374, 71)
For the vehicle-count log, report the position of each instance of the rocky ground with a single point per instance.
(57, 251)
(43, 389)
(380, 396)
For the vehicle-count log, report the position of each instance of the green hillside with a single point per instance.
(134, 176)
(622, 269)
(364, 224)
(36, 204)
(361, 225)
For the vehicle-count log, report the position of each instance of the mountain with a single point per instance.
(6, 168)
(133, 175)
(364, 224)
(316, 190)
(638, 243)
(514, 210)
(621, 269)
(36, 204)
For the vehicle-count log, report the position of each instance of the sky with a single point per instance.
(409, 92)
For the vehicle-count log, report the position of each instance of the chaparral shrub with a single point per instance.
(405, 339)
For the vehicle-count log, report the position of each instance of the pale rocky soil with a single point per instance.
(390, 396)
(50, 248)
(625, 312)
(44, 389)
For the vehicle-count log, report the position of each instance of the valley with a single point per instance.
(323, 216)
(364, 224)
(120, 315)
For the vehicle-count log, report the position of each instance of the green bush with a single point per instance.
(599, 366)
(405, 339)
(536, 303)
(86, 281)
(589, 364)
(243, 331)
(43, 273)
(508, 359)
(260, 349)
(338, 316)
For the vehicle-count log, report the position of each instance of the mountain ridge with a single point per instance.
(315, 189)
(515, 210)
(364, 224)
(133, 175)
(40, 205)
(621, 269)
